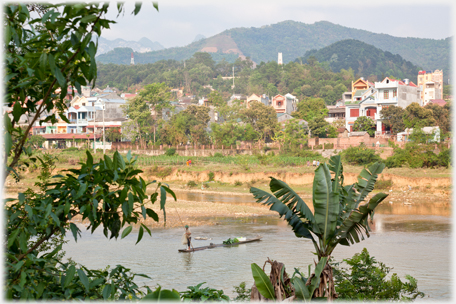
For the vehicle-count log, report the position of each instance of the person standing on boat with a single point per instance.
(188, 236)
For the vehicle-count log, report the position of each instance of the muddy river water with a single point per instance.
(414, 240)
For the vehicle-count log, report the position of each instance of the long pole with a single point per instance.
(94, 129)
(104, 104)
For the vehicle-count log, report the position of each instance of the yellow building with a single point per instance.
(431, 84)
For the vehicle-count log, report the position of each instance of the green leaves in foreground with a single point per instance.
(162, 295)
(262, 282)
(304, 292)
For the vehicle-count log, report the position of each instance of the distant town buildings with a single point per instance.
(369, 99)
(431, 85)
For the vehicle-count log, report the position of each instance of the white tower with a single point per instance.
(132, 62)
(279, 60)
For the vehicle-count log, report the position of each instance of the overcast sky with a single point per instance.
(179, 21)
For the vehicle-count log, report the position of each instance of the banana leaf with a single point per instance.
(289, 197)
(335, 165)
(354, 226)
(326, 203)
(305, 292)
(300, 227)
(262, 282)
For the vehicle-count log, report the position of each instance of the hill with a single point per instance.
(141, 46)
(364, 59)
(294, 39)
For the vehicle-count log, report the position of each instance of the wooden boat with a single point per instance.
(221, 245)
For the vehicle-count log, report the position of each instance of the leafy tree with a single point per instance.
(226, 133)
(360, 155)
(366, 279)
(262, 118)
(139, 121)
(339, 217)
(364, 123)
(310, 109)
(45, 52)
(392, 118)
(416, 116)
(216, 99)
(319, 127)
(293, 135)
(157, 96)
(190, 124)
(113, 134)
(36, 141)
(107, 194)
(441, 116)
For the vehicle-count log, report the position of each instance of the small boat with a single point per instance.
(202, 238)
(221, 245)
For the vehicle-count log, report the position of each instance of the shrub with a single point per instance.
(192, 184)
(265, 149)
(170, 152)
(71, 149)
(271, 153)
(211, 176)
(360, 156)
(243, 294)
(159, 172)
(383, 184)
(237, 183)
(196, 294)
(329, 146)
(418, 156)
(366, 280)
(218, 154)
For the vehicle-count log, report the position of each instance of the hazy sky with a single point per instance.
(179, 21)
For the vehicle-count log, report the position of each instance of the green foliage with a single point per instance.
(260, 44)
(230, 241)
(383, 184)
(211, 176)
(196, 294)
(364, 123)
(319, 127)
(339, 216)
(192, 184)
(262, 118)
(311, 108)
(302, 290)
(35, 141)
(161, 295)
(417, 117)
(262, 282)
(416, 155)
(366, 280)
(106, 194)
(218, 154)
(365, 59)
(360, 155)
(170, 152)
(237, 183)
(243, 294)
(392, 118)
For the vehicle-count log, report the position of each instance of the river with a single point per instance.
(414, 240)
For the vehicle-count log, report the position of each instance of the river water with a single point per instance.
(414, 240)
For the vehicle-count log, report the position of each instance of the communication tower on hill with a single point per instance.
(132, 62)
(279, 60)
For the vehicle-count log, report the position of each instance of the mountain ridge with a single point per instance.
(293, 39)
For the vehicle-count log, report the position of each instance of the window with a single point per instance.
(279, 103)
(386, 94)
(394, 93)
(354, 112)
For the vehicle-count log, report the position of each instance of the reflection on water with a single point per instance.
(403, 237)
(431, 208)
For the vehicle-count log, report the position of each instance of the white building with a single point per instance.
(371, 101)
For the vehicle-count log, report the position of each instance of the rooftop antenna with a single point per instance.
(132, 62)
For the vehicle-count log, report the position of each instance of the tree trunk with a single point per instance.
(326, 288)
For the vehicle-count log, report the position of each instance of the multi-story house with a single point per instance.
(369, 102)
(284, 104)
(264, 99)
(431, 85)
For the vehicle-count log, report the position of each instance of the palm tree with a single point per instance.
(340, 216)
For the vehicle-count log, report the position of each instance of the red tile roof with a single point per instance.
(439, 102)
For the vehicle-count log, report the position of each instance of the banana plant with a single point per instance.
(340, 212)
